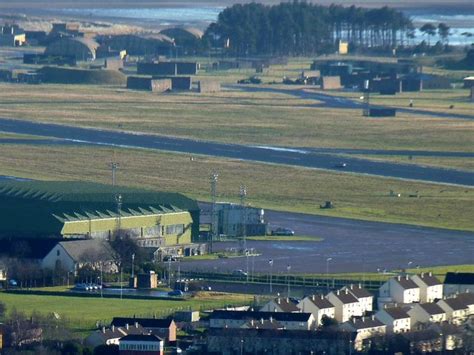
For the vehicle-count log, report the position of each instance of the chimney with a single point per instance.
(251, 322)
(313, 297)
(363, 319)
(347, 291)
(351, 286)
(113, 328)
(353, 320)
(126, 326)
(261, 320)
(406, 277)
(271, 319)
(278, 300)
(322, 297)
(103, 330)
(399, 277)
(431, 274)
(287, 300)
(422, 274)
(136, 325)
(373, 317)
(338, 292)
(360, 285)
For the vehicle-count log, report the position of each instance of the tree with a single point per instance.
(443, 32)
(124, 247)
(3, 310)
(328, 322)
(428, 29)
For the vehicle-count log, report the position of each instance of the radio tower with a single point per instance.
(243, 217)
(114, 166)
(214, 222)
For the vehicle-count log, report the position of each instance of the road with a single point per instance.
(331, 101)
(267, 154)
(353, 245)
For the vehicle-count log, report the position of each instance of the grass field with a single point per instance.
(83, 312)
(269, 186)
(231, 116)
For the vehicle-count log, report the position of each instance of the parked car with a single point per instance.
(12, 283)
(341, 165)
(283, 232)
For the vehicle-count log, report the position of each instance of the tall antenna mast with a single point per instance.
(114, 166)
(243, 217)
(214, 222)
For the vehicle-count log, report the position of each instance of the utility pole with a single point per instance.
(270, 262)
(114, 167)
(327, 274)
(243, 217)
(366, 111)
(214, 219)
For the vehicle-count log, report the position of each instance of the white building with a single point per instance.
(318, 306)
(401, 290)
(137, 343)
(112, 335)
(366, 328)
(365, 298)
(345, 305)
(72, 255)
(396, 319)
(232, 216)
(458, 282)
(280, 305)
(456, 310)
(431, 289)
(427, 312)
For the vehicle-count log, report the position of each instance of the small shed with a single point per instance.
(209, 86)
(331, 82)
(468, 82)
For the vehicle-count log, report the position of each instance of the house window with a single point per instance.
(58, 252)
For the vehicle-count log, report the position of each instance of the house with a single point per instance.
(400, 289)
(427, 312)
(236, 319)
(468, 299)
(396, 319)
(456, 310)
(263, 324)
(280, 304)
(141, 344)
(12, 35)
(112, 335)
(345, 305)
(72, 255)
(431, 289)
(276, 341)
(318, 306)
(366, 328)
(458, 282)
(163, 328)
(365, 298)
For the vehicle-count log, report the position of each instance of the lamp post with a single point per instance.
(133, 262)
(327, 273)
(270, 262)
(247, 263)
(288, 268)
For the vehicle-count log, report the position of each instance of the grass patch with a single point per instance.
(275, 238)
(269, 186)
(84, 312)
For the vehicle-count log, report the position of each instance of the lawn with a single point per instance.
(83, 313)
(269, 186)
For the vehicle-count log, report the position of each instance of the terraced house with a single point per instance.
(76, 210)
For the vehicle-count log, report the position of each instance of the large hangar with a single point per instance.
(65, 210)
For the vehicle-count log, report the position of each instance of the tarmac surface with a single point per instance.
(267, 154)
(352, 245)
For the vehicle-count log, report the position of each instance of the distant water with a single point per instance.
(459, 21)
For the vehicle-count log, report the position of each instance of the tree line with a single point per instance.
(301, 28)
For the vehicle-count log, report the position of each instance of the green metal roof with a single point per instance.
(42, 207)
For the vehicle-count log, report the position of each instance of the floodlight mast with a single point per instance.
(214, 223)
(114, 167)
(243, 217)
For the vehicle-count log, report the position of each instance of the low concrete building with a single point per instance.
(230, 217)
(396, 319)
(458, 282)
(280, 304)
(178, 83)
(331, 82)
(144, 280)
(400, 289)
(365, 298)
(141, 344)
(163, 328)
(366, 328)
(318, 306)
(167, 68)
(187, 316)
(148, 84)
(12, 35)
(345, 304)
(236, 319)
(113, 64)
(71, 255)
(83, 49)
(427, 313)
(209, 86)
(468, 82)
(431, 289)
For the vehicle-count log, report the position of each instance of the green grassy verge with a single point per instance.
(269, 186)
(83, 313)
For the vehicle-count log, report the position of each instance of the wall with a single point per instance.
(82, 76)
(209, 86)
(331, 82)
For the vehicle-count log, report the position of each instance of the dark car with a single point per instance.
(283, 232)
(176, 293)
(341, 165)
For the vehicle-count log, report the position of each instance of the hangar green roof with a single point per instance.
(41, 207)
